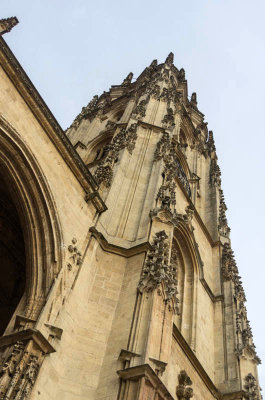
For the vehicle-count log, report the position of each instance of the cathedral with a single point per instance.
(118, 279)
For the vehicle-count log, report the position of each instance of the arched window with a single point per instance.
(98, 152)
(186, 271)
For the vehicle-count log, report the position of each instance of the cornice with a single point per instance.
(144, 370)
(121, 251)
(48, 122)
(27, 334)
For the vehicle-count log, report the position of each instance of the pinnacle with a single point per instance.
(170, 58)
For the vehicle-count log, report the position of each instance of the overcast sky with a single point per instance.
(73, 49)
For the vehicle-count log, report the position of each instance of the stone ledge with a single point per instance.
(145, 371)
(28, 334)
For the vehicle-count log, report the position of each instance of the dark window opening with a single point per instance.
(12, 258)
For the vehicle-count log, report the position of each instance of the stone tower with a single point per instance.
(129, 288)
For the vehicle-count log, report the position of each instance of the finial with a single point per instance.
(128, 79)
(181, 75)
(170, 58)
(193, 101)
(6, 24)
(153, 64)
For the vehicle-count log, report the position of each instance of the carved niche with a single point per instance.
(184, 390)
(158, 269)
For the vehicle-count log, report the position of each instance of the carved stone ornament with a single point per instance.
(85, 112)
(163, 146)
(210, 144)
(184, 390)
(128, 79)
(193, 101)
(251, 390)
(18, 372)
(6, 24)
(124, 138)
(170, 59)
(157, 270)
(75, 255)
(215, 173)
(223, 224)
(131, 138)
(168, 122)
(181, 75)
(140, 109)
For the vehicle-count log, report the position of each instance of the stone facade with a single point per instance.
(126, 283)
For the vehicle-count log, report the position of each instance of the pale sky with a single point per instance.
(73, 49)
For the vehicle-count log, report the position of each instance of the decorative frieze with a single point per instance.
(184, 390)
(158, 269)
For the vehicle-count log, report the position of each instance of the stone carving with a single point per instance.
(251, 391)
(153, 89)
(243, 329)
(157, 269)
(193, 101)
(6, 24)
(210, 144)
(140, 109)
(18, 372)
(229, 267)
(166, 197)
(85, 112)
(131, 138)
(181, 75)
(215, 173)
(168, 122)
(128, 79)
(223, 224)
(125, 138)
(162, 147)
(170, 95)
(110, 124)
(184, 391)
(170, 59)
(75, 257)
